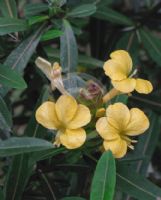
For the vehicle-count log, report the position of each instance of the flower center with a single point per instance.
(128, 141)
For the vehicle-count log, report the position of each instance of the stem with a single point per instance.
(146, 101)
(130, 41)
(111, 94)
(48, 185)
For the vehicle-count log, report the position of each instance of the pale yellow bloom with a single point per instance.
(119, 68)
(53, 73)
(119, 123)
(68, 118)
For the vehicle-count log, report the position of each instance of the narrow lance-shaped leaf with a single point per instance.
(8, 8)
(68, 48)
(82, 11)
(35, 8)
(17, 178)
(72, 198)
(87, 61)
(147, 143)
(19, 145)
(5, 116)
(105, 2)
(37, 19)
(152, 44)
(61, 2)
(103, 184)
(33, 128)
(11, 78)
(112, 16)
(135, 185)
(23, 164)
(145, 146)
(20, 56)
(44, 154)
(51, 34)
(11, 25)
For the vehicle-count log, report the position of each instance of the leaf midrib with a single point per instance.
(10, 80)
(68, 47)
(104, 182)
(145, 191)
(9, 8)
(13, 24)
(152, 44)
(18, 176)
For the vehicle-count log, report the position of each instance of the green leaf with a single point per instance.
(33, 128)
(89, 61)
(23, 164)
(147, 144)
(105, 2)
(5, 116)
(152, 44)
(112, 16)
(51, 34)
(72, 198)
(8, 8)
(1, 195)
(68, 48)
(20, 56)
(37, 19)
(83, 60)
(35, 8)
(82, 11)
(122, 98)
(11, 78)
(135, 185)
(11, 25)
(103, 184)
(19, 145)
(45, 154)
(17, 178)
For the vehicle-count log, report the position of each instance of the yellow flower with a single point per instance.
(118, 68)
(68, 118)
(53, 73)
(119, 123)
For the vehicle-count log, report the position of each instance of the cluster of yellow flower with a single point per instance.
(68, 117)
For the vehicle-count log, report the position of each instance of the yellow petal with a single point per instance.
(66, 107)
(118, 147)
(72, 139)
(123, 58)
(143, 86)
(46, 115)
(45, 67)
(118, 116)
(114, 70)
(138, 123)
(105, 130)
(81, 117)
(125, 86)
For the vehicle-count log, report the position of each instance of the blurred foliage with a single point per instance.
(80, 34)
